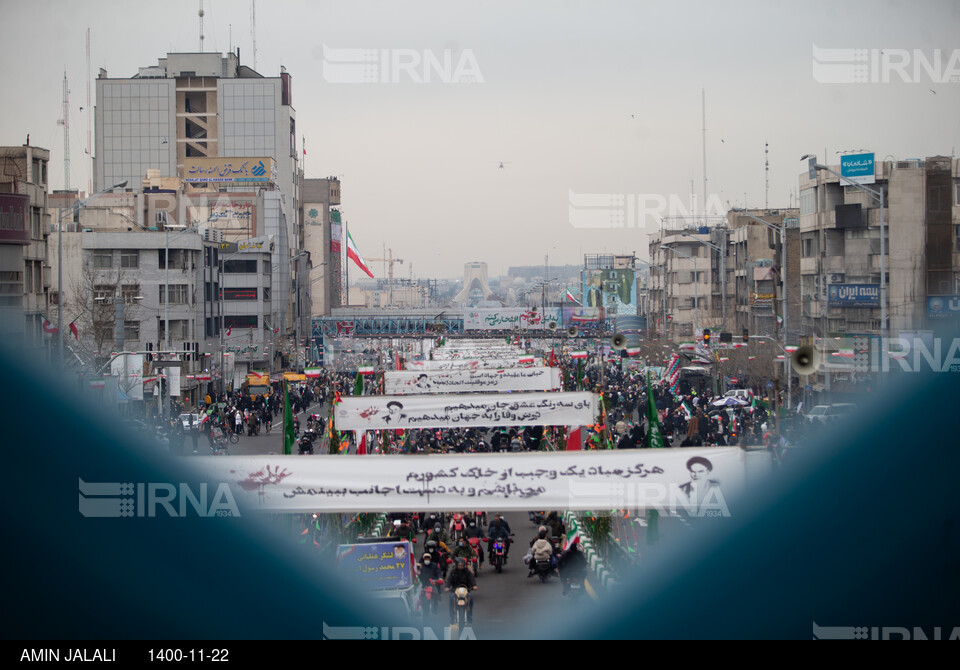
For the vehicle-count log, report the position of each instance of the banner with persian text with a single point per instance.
(472, 381)
(510, 318)
(427, 411)
(475, 363)
(689, 481)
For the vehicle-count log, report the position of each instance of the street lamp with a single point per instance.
(75, 206)
(878, 196)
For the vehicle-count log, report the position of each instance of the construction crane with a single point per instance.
(389, 260)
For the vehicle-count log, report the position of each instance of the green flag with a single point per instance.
(579, 374)
(288, 435)
(654, 434)
(358, 385)
(653, 526)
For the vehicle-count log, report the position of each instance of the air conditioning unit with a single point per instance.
(908, 165)
(71, 227)
(836, 278)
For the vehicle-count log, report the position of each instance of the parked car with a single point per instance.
(746, 394)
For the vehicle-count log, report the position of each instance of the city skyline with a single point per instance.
(566, 102)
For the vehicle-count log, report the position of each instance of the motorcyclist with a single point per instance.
(541, 549)
(429, 570)
(457, 522)
(499, 530)
(573, 565)
(474, 532)
(555, 525)
(460, 576)
(463, 550)
(403, 531)
(439, 534)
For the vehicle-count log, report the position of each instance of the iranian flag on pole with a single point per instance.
(366, 370)
(569, 296)
(632, 351)
(578, 354)
(573, 537)
(354, 253)
(312, 372)
(49, 328)
(574, 439)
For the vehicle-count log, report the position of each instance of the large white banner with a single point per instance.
(508, 319)
(472, 381)
(425, 411)
(691, 482)
(449, 354)
(475, 363)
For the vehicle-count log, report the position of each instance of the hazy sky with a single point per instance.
(577, 97)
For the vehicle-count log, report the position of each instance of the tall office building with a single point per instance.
(186, 117)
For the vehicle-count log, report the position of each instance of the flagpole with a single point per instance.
(346, 264)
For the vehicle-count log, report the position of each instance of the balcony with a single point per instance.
(809, 266)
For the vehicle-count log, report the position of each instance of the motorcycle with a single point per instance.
(498, 557)
(461, 610)
(296, 427)
(475, 545)
(537, 518)
(543, 570)
(573, 587)
(305, 443)
(458, 527)
(430, 596)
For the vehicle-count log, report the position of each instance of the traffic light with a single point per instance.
(746, 336)
(706, 337)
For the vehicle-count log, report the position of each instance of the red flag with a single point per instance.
(73, 329)
(553, 360)
(229, 330)
(49, 328)
(362, 449)
(573, 439)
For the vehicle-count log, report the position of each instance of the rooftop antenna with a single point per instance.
(88, 109)
(200, 14)
(65, 122)
(703, 98)
(766, 169)
(253, 30)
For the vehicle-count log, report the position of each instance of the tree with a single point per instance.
(91, 302)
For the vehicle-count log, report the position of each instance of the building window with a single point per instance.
(178, 259)
(178, 294)
(240, 266)
(102, 292)
(129, 258)
(130, 293)
(956, 239)
(103, 260)
(28, 277)
(179, 329)
(808, 201)
(131, 331)
(54, 298)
